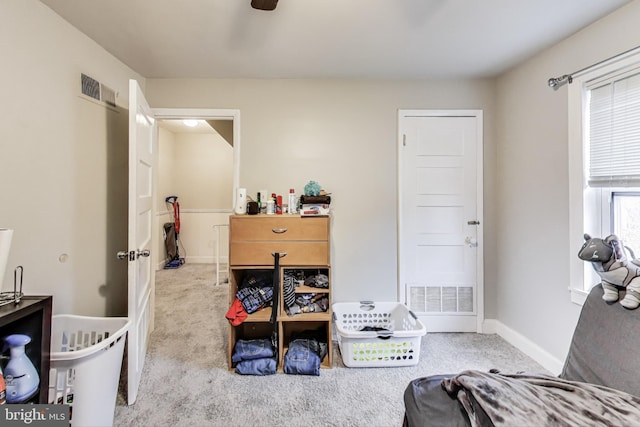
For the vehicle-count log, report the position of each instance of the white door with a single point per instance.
(142, 148)
(440, 224)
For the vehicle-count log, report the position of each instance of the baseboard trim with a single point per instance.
(198, 260)
(525, 345)
(204, 259)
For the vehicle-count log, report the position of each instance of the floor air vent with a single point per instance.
(440, 299)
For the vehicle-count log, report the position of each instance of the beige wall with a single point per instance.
(198, 168)
(342, 134)
(63, 162)
(532, 183)
(203, 171)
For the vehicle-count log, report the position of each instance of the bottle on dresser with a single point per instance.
(293, 208)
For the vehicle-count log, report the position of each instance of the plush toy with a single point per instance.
(609, 260)
(312, 189)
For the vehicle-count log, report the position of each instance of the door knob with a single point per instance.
(143, 253)
(122, 255)
(471, 241)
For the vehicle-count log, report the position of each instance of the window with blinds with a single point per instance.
(604, 154)
(614, 131)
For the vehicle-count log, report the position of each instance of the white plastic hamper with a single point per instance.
(393, 338)
(86, 356)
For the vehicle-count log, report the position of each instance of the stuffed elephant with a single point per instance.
(609, 260)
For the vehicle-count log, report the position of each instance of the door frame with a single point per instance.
(204, 114)
(478, 115)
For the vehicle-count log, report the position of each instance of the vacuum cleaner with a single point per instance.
(172, 235)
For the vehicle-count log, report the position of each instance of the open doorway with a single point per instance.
(198, 152)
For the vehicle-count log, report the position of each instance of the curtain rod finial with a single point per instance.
(555, 82)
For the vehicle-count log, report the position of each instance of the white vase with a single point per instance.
(5, 245)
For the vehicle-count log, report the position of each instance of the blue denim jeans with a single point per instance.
(302, 358)
(252, 349)
(264, 366)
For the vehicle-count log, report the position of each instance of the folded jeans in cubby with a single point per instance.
(252, 349)
(254, 357)
(303, 357)
(264, 366)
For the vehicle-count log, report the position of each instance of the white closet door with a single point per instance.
(440, 188)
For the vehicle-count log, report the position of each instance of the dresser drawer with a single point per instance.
(280, 227)
(297, 253)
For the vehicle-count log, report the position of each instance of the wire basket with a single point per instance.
(16, 295)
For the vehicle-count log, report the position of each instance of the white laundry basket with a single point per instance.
(377, 334)
(86, 357)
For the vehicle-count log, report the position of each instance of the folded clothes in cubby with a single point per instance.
(254, 357)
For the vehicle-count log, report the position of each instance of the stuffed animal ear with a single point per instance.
(587, 237)
(616, 245)
(611, 238)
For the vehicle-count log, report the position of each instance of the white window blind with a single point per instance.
(614, 132)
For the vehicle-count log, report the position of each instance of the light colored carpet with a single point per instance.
(186, 382)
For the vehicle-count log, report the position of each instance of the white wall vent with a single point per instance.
(440, 299)
(94, 89)
(108, 95)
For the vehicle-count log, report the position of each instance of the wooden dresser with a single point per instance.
(304, 247)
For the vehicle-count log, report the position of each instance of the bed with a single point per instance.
(598, 385)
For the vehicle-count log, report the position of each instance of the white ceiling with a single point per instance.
(178, 126)
(328, 38)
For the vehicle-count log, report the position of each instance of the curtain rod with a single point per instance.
(555, 82)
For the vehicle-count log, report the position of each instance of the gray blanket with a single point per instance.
(494, 399)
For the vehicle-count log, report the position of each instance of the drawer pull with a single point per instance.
(282, 254)
(279, 230)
